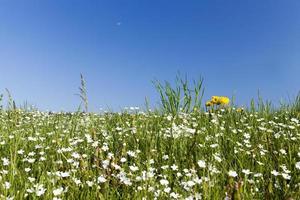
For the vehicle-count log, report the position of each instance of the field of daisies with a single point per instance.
(213, 152)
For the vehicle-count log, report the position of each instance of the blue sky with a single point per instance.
(121, 46)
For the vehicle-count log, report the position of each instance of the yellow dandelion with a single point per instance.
(219, 100)
(215, 100)
(224, 100)
(208, 104)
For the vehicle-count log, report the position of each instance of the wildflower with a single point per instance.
(190, 183)
(27, 169)
(258, 175)
(165, 157)
(169, 117)
(90, 183)
(31, 160)
(7, 185)
(286, 176)
(105, 164)
(151, 161)
(174, 167)
(131, 153)
(40, 190)
(105, 147)
(5, 161)
(164, 182)
(246, 171)
(20, 152)
(201, 164)
(217, 158)
(31, 154)
(224, 100)
(198, 180)
(232, 173)
(215, 100)
(42, 158)
(283, 151)
(247, 135)
(77, 181)
(127, 181)
(208, 103)
(75, 155)
(101, 179)
(275, 173)
(110, 155)
(10, 198)
(58, 191)
(214, 145)
(31, 179)
(297, 165)
(174, 195)
(295, 120)
(133, 168)
(167, 190)
(165, 166)
(63, 174)
(220, 100)
(95, 144)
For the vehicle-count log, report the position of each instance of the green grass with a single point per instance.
(88, 146)
(179, 153)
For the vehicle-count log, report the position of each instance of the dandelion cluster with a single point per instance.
(217, 100)
(134, 155)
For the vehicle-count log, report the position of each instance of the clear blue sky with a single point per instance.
(120, 46)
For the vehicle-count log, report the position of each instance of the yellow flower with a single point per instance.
(220, 100)
(208, 104)
(215, 100)
(224, 100)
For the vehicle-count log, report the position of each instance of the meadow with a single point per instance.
(181, 150)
